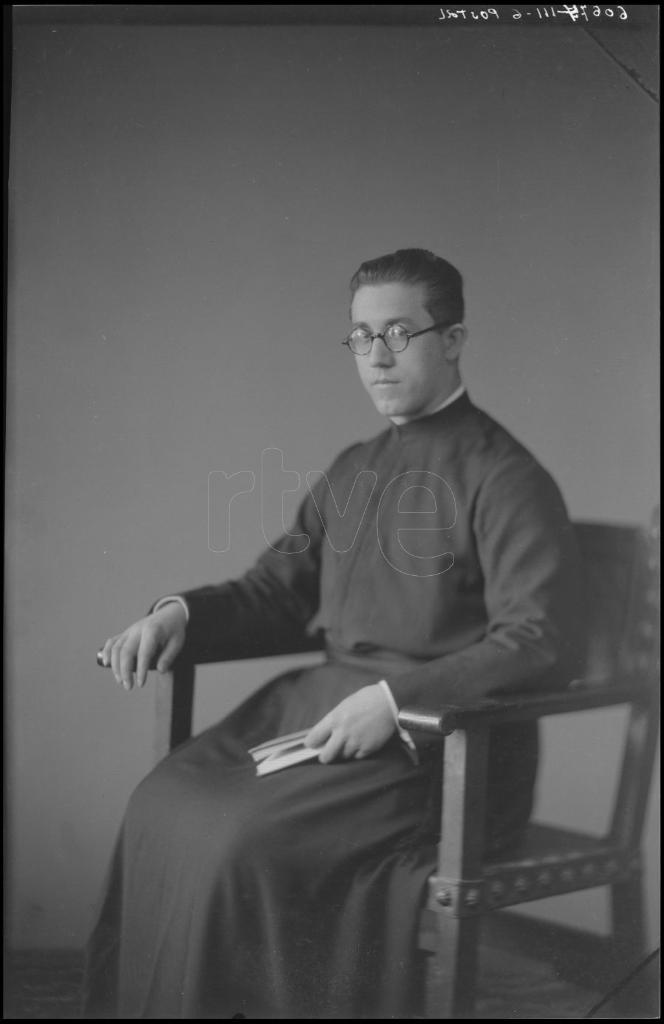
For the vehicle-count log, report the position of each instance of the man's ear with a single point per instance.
(454, 338)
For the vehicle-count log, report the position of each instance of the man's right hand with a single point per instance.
(154, 641)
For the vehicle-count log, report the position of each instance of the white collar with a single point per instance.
(447, 401)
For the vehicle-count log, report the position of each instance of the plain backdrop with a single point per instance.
(187, 205)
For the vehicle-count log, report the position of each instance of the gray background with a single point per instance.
(187, 205)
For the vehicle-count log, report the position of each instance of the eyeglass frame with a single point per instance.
(409, 336)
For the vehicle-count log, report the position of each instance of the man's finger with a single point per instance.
(350, 749)
(146, 653)
(167, 656)
(319, 733)
(116, 651)
(128, 663)
(332, 748)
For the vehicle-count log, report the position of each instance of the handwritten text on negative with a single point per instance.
(565, 14)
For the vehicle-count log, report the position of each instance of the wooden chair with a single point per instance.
(621, 668)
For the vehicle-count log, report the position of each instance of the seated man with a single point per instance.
(450, 574)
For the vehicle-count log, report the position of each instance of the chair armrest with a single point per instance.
(250, 649)
(521, 707)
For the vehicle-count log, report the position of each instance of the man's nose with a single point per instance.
(379, 354)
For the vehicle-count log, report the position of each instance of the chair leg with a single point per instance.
(628, 919)
(629, 941)
(451, 970)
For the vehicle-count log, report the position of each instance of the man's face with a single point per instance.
(403, 385)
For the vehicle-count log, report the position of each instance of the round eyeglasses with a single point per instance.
(396, 337)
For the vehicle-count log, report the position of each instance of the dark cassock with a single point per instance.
(437, 557)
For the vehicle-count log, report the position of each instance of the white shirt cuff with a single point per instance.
(169, 600)
(404, 735)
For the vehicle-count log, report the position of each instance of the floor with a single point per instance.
(45, 986)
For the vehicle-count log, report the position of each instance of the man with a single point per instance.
(297, 894)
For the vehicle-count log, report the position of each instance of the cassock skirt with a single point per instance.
(291, 895)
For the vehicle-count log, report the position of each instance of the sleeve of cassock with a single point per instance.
(526, 549)
(265, 611)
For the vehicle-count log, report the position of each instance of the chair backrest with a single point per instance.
(620, 579)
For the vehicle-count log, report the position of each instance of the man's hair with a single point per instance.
(443, 282)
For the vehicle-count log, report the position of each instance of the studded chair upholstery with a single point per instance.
(621, 579)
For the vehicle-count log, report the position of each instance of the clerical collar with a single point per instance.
(439, 408)
(445, 419)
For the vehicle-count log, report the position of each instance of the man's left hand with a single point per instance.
(359, 725)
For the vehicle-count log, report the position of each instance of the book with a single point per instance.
(282, 752)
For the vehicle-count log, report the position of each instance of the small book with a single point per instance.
(282, 752)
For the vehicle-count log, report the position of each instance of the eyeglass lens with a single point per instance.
(395, 337)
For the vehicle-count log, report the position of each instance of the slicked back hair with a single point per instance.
(442, 281)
